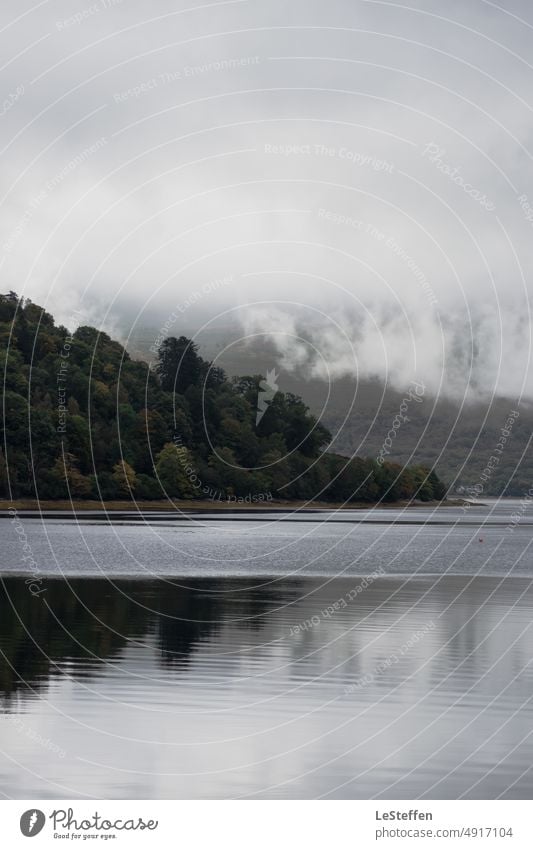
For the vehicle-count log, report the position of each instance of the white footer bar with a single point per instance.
(271, 824)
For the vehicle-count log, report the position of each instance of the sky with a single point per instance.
(350, 180)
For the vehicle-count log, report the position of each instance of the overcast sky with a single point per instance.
(225, 162)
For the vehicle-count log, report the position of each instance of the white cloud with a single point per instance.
(186, 188)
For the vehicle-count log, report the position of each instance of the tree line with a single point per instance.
(82, 420)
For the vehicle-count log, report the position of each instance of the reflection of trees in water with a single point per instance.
(93, 620)
(190, 615)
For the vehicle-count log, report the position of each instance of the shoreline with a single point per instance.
(49, 508)
(430, 578)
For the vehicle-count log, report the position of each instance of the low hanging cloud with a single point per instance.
(458, 358)
(362, 173)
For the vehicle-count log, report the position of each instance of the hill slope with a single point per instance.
(84, 420)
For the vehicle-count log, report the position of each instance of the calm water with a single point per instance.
(224, 666)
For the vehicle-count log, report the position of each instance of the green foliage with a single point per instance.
(84, 420)
(172, 468)
(64, 480)
(180, 366)
(124, 477)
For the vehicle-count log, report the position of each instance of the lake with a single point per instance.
(352, 654)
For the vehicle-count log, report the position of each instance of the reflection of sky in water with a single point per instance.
(159, 691)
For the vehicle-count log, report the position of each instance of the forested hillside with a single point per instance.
(81, 419)
(455, 436)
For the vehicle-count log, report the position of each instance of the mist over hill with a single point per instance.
(456, 436)
(82, 419)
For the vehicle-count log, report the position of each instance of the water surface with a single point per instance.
(478, 540)
(231, 688)
(251, 657)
